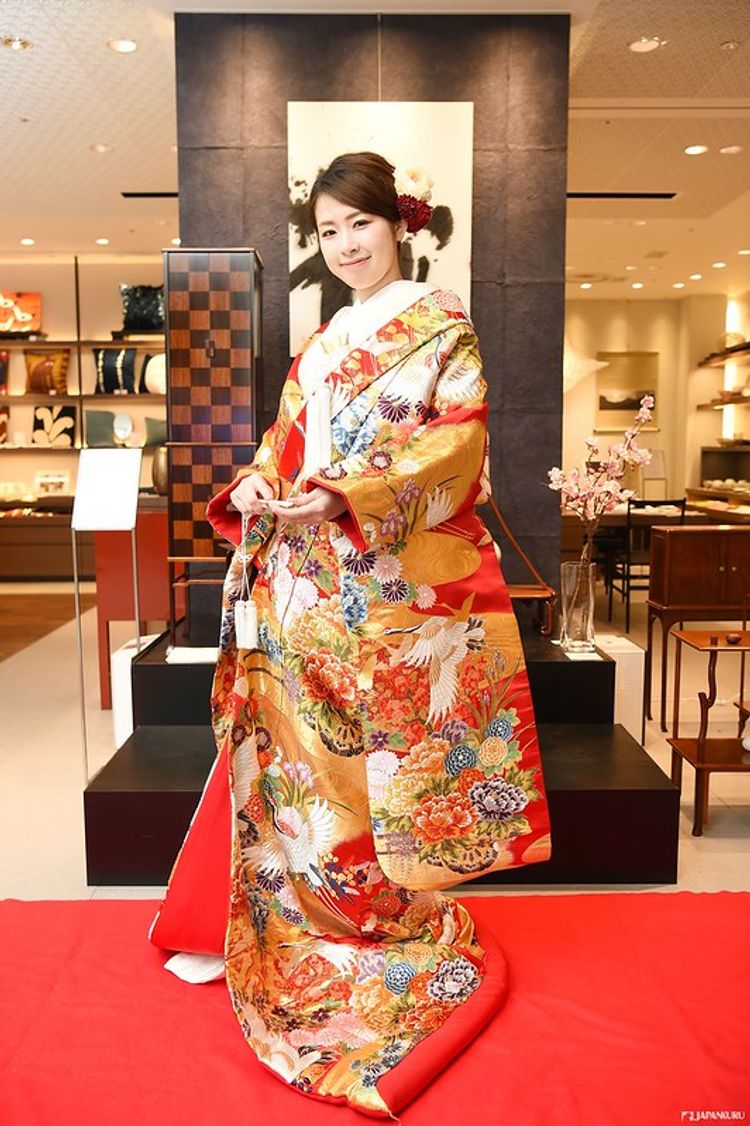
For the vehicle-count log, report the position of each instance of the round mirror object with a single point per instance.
(122, 426)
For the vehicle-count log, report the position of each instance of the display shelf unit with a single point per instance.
(736, 500)
(718, 359)
(79, 308)
(720, 462)
(727, 458)
(737, 399)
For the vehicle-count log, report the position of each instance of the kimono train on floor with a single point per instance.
(379, 744)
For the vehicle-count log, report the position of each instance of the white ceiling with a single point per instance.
(630, 118)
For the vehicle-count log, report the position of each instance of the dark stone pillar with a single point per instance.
(235, 74)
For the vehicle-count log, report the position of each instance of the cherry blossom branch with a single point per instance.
(596, 489)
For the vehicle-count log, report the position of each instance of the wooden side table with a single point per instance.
(705, 755)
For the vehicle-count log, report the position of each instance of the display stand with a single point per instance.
(106, 500)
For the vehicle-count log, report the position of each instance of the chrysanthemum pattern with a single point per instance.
(357, 799)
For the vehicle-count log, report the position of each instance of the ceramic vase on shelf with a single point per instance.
(577, 607)
(160, 471)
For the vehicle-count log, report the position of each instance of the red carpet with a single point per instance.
(624, 1010)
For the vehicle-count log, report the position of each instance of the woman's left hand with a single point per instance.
(312, 508)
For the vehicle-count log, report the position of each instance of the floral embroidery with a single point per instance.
(333, 472)
(394, 410)
(387, 649)
(360, 563)
(380, 459)
(394, 523)
(325, 677)
(387, 567)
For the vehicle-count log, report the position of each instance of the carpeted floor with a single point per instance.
(25, 618)
(625, 1010)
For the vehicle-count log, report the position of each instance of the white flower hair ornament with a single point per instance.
(413, 192)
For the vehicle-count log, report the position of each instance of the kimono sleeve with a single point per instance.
(228, 523)
(412, 483)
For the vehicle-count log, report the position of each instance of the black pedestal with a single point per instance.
(563, 691)
(566, 691)
(170, 694)
(614, 813)
(138, 807)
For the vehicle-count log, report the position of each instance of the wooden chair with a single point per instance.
(538, 591)
(629, 568)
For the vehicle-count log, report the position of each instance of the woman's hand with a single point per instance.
(313, 508)
(252, 495)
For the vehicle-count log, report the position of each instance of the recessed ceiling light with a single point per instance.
(102, 242)
(695, 150)
(730, 150)
(637, 285)
(631, 267)
(27, 241)
(585, 285)
(639, 222)
(176, 242)
(743, 251)
(718, 265)
(696, 277)
(17, 42)
(678, 285)
(729, 45)
(646, 43)
(122, 46)
(100, 147)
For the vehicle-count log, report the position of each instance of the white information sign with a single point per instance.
(106, 497)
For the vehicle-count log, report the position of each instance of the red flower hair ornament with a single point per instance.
(413, 192)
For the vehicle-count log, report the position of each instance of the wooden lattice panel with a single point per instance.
(196, 473)
(212, 299)
(211, 361)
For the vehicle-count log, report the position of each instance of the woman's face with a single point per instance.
(358, 248)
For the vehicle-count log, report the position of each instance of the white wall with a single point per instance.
(682, 331)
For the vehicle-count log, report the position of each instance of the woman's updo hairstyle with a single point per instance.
(363, 180)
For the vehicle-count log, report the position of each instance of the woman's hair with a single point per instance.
(363, 180)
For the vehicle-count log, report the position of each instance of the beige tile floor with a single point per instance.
(42, 774)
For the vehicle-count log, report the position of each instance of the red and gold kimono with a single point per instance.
(379, 744)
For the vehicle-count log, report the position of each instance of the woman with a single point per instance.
(379, 738)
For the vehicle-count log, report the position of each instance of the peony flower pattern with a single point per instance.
(358, 790)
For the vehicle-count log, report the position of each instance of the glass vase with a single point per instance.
(577, 607)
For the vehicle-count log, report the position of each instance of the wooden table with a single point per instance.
(705, 755)
(571, 528)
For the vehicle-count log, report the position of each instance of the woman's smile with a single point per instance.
(359, 248)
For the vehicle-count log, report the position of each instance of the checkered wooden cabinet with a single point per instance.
(213, 300)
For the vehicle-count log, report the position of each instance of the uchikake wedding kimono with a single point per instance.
(379, 744)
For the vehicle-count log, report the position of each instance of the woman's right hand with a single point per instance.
(251, 493)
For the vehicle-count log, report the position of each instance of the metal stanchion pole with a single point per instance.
(79, 639)
(136, 591)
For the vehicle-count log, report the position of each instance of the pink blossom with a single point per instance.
(596, 490)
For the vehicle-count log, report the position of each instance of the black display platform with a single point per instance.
(170, 694)
(568, 691)
(563, 691)
(138, 807)
(614, 813)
